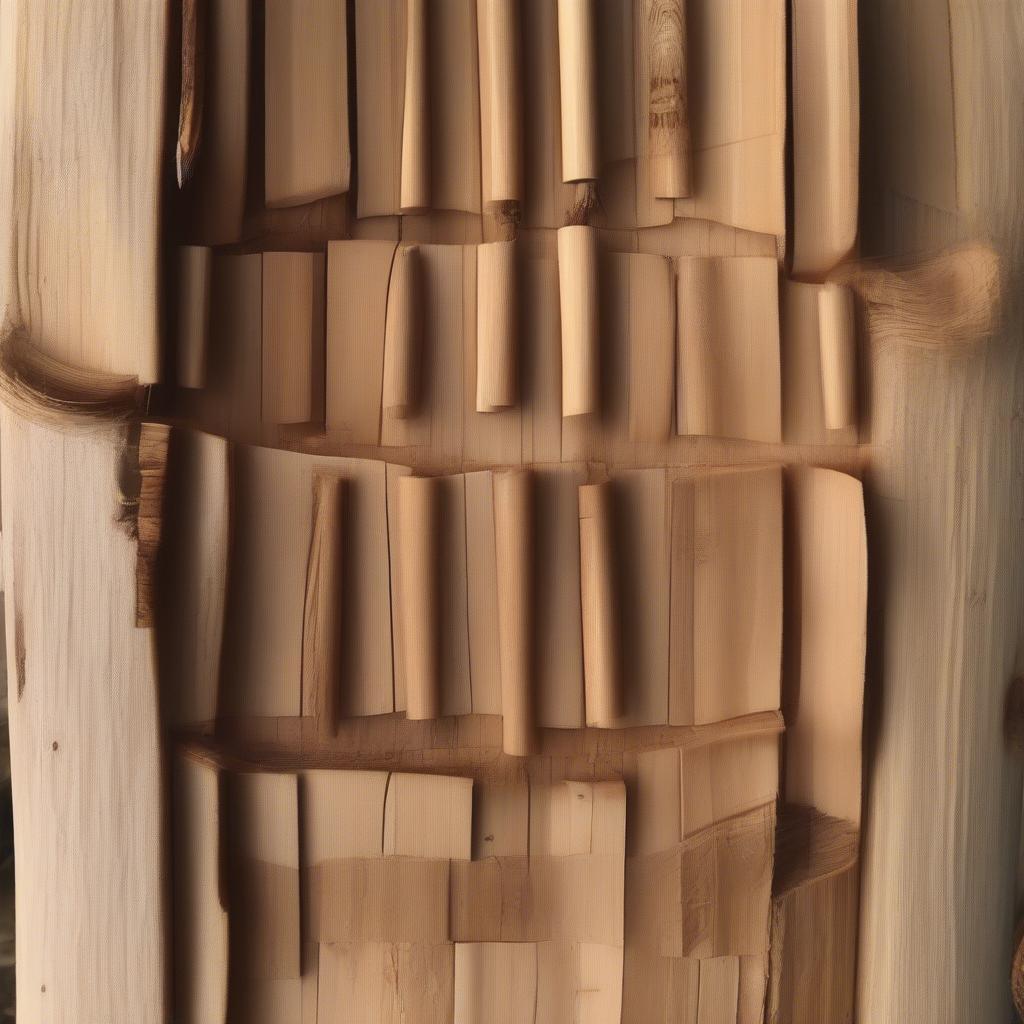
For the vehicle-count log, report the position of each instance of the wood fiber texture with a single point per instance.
(80, 181)
(498, 590)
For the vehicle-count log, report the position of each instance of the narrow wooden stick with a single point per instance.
(45, 390)
(578, 297)
(415, 184)
(603, 693)
(513, 533)
(403, 334)
(500, 91)
(578, 82)
(497, 327)
(695, 394)
(669, 147)
(321, 623)
(419, 514)
(193, 87)
(837, 341)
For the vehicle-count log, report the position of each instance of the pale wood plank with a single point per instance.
(89, 834)
(81, 136)
(943, 798)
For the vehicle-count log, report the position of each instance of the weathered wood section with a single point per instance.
(943, 793)
(88, 833)
(81, 136)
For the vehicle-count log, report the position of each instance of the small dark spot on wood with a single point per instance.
(489, 839)
(54, 744)
(1013, 715)
(42, 988)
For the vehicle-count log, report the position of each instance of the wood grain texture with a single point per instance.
(599, 601)
(728, 375)
(293, 355)
(578, 288)
(403, 335)
(306, 95)
(737, 56)
(577, 66)
(668, 115)
(84, 737)
(826, 133)
(195, 272)
(324, 602)
(943, 793)
(513, 532)
(497, 326)
(944, 505)
(148, 508)
(501, 100)
(200, 902)
(419, 529)
(79, 181)
(193, 87)
(416, 126)
(214, 198)
(814, 919)
(193, 573)
(837, 339)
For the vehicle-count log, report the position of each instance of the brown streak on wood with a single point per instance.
(668, 105)
(193, 82)
(19, 651)
(153, 443)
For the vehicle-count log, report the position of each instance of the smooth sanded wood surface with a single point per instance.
(81, 137)
(88, 828)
